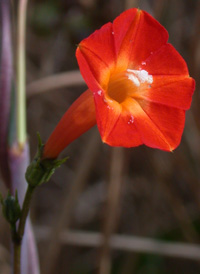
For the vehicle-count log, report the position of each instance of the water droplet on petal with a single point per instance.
(109, 107)
(144, 63)
(99, 92)
(131, 120)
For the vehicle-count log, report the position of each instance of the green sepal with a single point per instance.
(40, 170)
(11, 208)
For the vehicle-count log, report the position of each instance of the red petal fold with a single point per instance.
(158, 126)
(79, 118)
(87, 72)
(97, 53)
(143, 36)
(123, 25)
(172, 91)
(169, 121)
(153, 125)
(101, 44)
(107, 114)
(112, 124)
(123, 133)
(165, 61)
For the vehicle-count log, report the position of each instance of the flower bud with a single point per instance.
(40, 170)
(11, 208)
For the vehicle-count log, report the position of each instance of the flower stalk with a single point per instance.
(20, 232)
(38, 172)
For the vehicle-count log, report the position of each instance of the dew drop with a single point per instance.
(113, 33)
(109, 107)
(131, 120)
(99, 92)
(144, 63)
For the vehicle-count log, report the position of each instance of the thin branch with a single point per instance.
(124, 243)
(113, 207)
(53, 82)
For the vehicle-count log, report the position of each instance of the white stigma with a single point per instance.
(139, 77)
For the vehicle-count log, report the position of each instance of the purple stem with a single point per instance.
(6, 76)
(18, 164)
(13, 162)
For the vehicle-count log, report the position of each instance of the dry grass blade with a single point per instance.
(87, 159)
(126, 243)
(65, 79)
(113, 207)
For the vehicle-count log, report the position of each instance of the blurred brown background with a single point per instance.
(101, 191)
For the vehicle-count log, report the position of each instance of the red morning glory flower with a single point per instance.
(138, 82)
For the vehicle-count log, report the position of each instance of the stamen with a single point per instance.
(127, 83)
(134, 79)
(139, 76)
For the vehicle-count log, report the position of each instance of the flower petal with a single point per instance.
(97, 51)
(168, 121)
(87, 72)
(162, 131)
(141, 37)
(124, 133)
(134, 126)
(124, 31)
(107, 114)
(173, 91)
(79, 118)
(165, 61)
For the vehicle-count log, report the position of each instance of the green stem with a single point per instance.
(17, 252)
(25, 211)
(38, 172)
(21, 75)
(17, 237)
